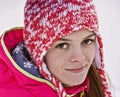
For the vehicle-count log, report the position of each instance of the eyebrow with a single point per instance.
(93, 34)
(65, 39)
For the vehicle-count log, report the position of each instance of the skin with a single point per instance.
(70, 58)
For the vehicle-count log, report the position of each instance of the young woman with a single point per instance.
(58, 53)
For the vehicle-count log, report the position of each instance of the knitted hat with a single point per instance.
(48, 20)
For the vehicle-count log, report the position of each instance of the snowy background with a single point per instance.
(11, 15)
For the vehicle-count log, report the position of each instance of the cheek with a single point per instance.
(54, 62)
(90, 54)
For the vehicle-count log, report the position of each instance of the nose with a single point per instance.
(77, 55)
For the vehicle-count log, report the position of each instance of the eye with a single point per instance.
(88, 42)
(62, 46)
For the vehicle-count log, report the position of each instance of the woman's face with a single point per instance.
(70, 58)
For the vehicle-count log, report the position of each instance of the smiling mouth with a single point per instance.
(77, 70)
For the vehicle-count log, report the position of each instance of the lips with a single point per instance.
(76, 70)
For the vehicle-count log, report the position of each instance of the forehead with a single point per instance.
(78, 34)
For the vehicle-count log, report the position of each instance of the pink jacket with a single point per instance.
(14, 81)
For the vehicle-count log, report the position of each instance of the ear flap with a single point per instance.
(99, 53)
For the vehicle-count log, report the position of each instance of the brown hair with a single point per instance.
(95, 83)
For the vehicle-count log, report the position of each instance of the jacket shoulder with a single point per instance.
(14, 81)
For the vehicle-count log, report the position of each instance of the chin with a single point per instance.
(77, 81)
(74, 80)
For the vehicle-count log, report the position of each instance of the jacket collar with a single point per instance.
(12, 37)
(79, 88)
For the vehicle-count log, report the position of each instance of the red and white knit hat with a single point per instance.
(48, 20)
